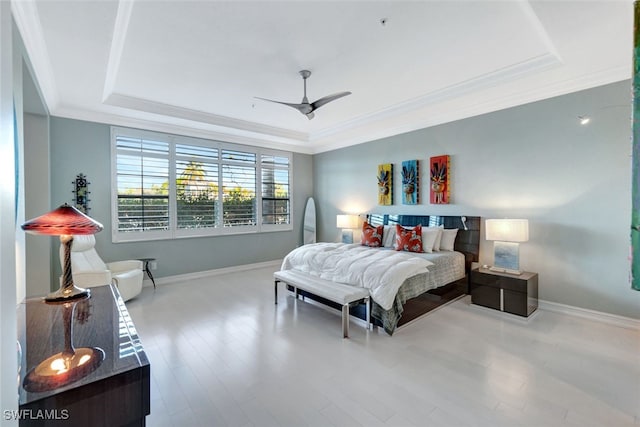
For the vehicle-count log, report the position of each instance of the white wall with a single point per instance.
(8, 283)
(572, 182)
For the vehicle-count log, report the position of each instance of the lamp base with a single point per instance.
(347, 236)
(505, 270)
(66, 294)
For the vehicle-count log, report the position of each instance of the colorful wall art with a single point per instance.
(439, 171)
(410, 182)
(385, 184)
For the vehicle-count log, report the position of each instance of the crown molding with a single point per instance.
(148, 106)
(600, 78)
(506, 74)
(25, 14)
(184, 129)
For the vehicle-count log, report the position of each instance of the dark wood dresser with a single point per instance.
(110, 386)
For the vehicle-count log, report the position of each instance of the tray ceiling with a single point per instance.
(195, 68)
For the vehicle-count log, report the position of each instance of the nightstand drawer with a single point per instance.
(487, 296)
(502, 282)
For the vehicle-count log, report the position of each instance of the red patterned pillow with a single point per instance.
(408, 239)
(371, 236)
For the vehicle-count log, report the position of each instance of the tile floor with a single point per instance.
(222, 354)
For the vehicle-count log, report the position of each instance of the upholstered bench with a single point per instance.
(339, 293)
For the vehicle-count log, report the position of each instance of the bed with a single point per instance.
(420, 285)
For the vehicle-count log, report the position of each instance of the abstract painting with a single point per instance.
(385, 184)
(439, 171)
(410, 182)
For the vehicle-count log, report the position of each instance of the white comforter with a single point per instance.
(382, 271)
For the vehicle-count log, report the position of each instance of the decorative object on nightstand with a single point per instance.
(507, 235)
(347, 223)
(505, 292)
(64, 222)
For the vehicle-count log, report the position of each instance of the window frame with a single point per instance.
(173, 231)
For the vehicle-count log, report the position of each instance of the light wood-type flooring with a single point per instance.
(222, 354)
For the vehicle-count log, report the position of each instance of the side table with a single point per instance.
(505, 292)
(145, 263)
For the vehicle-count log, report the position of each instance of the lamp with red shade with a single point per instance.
(64, 221)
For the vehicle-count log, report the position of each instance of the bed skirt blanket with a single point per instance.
(382, 271)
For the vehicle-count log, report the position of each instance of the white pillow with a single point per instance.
(389, 236)
(436, 244)
(448, 239)
(429, 236)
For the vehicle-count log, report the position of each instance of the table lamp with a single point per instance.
(347, 223)
(64, 221)
(507, 235)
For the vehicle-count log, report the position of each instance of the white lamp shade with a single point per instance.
(507, 230)
(347, 221)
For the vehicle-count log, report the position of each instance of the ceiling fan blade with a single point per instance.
(320, 102)
(299, 107)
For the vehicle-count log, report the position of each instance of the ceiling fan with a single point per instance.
(305, 107)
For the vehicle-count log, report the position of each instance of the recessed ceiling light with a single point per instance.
(584, 119)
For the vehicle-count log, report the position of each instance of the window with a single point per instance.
(167, 186)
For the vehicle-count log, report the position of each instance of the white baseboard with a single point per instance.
(215, 272)
(598, 316)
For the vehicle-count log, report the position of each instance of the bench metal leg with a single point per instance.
(368, 303)
(275, 290)
(345, 321)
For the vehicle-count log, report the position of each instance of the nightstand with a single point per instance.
(505, 292)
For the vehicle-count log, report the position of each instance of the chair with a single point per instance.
(89, 270)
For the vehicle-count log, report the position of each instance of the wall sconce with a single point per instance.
(507, 235)
(584, 120)
(347, 223)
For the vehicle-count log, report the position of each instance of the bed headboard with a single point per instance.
(467, 240)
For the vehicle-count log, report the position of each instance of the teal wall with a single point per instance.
(535, 161)
(79, 146)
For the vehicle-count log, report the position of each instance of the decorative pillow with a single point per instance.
(371, 236)
(389, 236)
(436, 244)
(431, 237)
(448, 239)
(409, 239)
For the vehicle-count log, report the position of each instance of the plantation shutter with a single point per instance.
(275, 189)
(142, 190)
(238, 188)
(196, 187)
